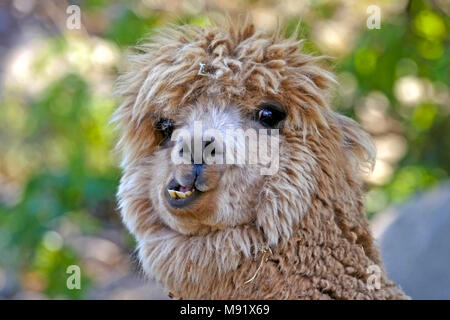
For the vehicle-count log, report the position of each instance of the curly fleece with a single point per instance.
(310, 214)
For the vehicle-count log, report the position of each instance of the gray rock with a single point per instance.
(414, 239)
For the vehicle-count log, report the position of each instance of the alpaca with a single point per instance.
(219, 231)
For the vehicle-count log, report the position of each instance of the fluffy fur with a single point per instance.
(310, 213)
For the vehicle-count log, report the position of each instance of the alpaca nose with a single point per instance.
(200, 165)
(200, 172)
(198, 168)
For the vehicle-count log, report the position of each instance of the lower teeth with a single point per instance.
(179, 195)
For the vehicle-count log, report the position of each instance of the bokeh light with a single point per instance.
(58, 169)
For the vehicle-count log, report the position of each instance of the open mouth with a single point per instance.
(180, 196)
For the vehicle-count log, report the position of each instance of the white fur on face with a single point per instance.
(234, 189)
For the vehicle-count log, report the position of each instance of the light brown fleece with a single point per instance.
(310, 213)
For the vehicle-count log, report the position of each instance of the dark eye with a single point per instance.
(165, 126)
(270, 115)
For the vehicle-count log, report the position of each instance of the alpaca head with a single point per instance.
(195, 99)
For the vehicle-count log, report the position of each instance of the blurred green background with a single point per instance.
(58, 170)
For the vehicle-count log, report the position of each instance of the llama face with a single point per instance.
(210, 160)
(191, 95)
